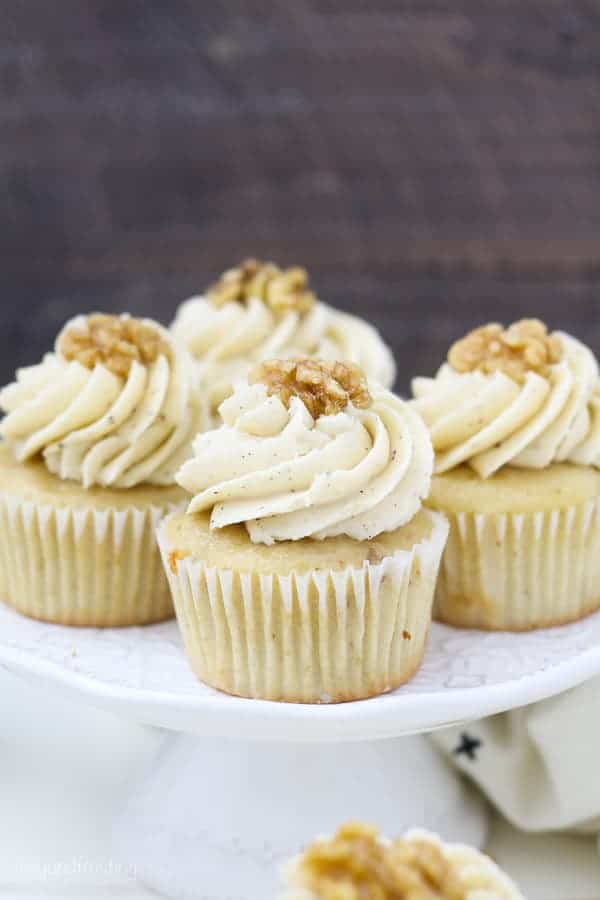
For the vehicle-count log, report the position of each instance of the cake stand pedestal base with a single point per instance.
(215, 818)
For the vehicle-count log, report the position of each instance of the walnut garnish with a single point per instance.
(283, 290)
(526, 346)
(356, 865)
(113, 341)
(325, 388)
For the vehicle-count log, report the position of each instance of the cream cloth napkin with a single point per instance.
(539, 767)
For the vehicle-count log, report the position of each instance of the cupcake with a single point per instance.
(304, 567)
(258, 311)
(92, 437)
(358, 864)
(514, 417)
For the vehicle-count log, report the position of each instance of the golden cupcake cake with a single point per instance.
(304, 567)
(357, 863)
(91, 439)
(258, 311)
(514, 417)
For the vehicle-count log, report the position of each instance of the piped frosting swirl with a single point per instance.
(113, 405)
(358, 470)
(519, 397)
(258, 311)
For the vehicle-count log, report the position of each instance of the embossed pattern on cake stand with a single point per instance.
(144, 673)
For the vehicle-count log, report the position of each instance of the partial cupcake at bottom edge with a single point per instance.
(305, 565)
(92, 437)
(358, 864)
(514, 417)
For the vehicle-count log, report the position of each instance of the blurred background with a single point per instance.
(432, 164)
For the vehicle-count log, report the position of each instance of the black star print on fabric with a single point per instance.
(468, 745)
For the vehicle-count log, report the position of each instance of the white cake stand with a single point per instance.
(248, 782)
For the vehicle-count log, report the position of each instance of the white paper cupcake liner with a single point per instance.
(314, 637)
(83, 566)
(520, 571)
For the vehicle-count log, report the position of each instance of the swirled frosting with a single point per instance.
(287, 475)
(228, 337)
(538, 409)
(113, 405)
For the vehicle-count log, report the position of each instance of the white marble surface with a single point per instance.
(66, 767)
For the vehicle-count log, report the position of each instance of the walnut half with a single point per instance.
(283, 290)
(325, 388)
(356, 865)
(526, 346)
(113, 341)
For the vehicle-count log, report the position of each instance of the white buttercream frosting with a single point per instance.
(100, 428)
(489, 420)
(228, 340)
(287, 476)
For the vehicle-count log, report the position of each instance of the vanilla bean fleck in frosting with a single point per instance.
(286, 472)
(358, 864)
(258, 311)
(519, 397)
(113, 405)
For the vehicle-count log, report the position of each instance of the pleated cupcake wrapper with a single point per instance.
(314, 637)
(83, 566)
(519, 571)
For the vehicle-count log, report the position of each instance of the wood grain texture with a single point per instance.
(432, 164)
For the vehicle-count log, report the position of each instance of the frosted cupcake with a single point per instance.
(358, 864)
(258, 311)
(304, 567)
(514, 417)
(92, 437)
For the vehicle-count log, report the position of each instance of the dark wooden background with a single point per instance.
(433, 164)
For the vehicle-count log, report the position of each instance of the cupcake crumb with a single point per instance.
(173, 558)
(373, 556)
